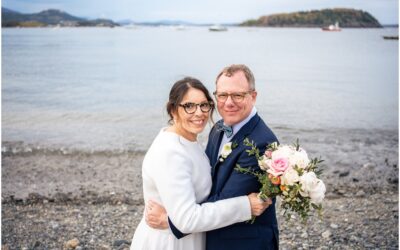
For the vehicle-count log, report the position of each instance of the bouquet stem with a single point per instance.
(262, 196)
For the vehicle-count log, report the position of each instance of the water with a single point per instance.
(106, 89)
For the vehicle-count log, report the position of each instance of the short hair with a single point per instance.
(179, 90)
(232, 69)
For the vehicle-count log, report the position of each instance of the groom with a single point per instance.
(236, 96)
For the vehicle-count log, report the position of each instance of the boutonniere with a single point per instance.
(227, 150)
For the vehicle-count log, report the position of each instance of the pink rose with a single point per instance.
(278, 166)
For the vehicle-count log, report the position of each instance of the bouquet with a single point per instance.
(287, 172)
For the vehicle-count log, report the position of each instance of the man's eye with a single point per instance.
(237, 96)
(223, 95)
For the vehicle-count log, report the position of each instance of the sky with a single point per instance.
(200, 11)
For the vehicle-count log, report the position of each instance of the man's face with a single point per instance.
(232, 109)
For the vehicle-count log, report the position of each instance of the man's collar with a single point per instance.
(236, 127)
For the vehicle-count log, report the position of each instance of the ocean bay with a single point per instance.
(105, 89)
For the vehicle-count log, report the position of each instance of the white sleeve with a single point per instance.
(174, 184)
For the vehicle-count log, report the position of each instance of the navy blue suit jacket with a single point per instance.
(227, 183)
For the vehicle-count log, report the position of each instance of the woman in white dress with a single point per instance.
(176, 173)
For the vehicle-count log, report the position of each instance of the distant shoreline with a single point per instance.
(301, 19)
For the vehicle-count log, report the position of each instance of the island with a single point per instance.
(346, 18)
(49, 18)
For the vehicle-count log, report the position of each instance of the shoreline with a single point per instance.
(52, 197)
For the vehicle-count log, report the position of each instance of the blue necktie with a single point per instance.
(227, 129)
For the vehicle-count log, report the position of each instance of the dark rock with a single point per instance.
(35, 197)
(117, 243)
(343, 174)
(393, 180)
(61, 197)
(36, 245)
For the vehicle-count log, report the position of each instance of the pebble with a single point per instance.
(72, 243)
(118, 243)
(334, 226)
(326, 234)
(368, 165)
(104, 247)
(360, 193)
(304, 235)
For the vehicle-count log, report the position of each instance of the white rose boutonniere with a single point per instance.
(227, 150)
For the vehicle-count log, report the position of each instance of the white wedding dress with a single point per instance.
(176, 173)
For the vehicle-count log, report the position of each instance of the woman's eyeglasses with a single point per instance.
(191, 107)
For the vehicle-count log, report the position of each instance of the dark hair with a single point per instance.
(232, 69)
(179, 90)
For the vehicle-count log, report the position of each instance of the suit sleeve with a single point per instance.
(174, 183)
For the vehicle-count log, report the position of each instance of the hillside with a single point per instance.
(348, 18)
(49, 17)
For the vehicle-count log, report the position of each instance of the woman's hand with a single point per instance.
(257, 205)
(156, 215)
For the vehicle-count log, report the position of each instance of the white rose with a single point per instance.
(308, 180)
(264, 163)
(282, 152)
(289, 177)
(318, 193)
(299, 158)
(312, 187)
(226, 150)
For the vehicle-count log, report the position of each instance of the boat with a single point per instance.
(391, 37)
(217, 28)
(332, 27)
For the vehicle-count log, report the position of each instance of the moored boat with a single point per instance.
(217, 28)
(332, 27)
(391, 37)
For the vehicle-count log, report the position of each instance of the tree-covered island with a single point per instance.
(347, 18)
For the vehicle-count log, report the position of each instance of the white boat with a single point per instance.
(217, 28)
(332, 27)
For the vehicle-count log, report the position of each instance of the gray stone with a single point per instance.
(334, 226)
(326, 234)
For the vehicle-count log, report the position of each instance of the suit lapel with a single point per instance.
(246, 129)
(214, 142)
(222, 170)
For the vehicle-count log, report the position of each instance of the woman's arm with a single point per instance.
(174, 183)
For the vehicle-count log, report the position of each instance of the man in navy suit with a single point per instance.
(236, 96)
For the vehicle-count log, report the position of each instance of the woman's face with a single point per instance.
(189, 125)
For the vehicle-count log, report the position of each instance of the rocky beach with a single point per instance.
(60, 199)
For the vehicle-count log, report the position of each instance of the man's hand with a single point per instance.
(156, 215)
(257, 205)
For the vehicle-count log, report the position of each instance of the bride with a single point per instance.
(177, 174)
